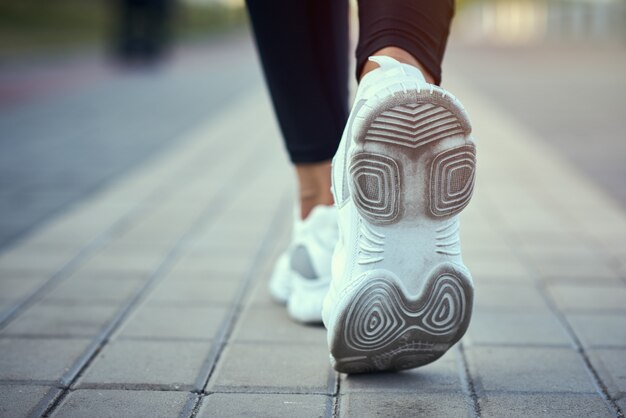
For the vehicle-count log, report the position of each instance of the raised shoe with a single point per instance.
(400, 295)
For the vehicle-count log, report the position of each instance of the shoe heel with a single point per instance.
(382, 329)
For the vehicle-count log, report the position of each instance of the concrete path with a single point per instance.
(69, 126)
(149, 297)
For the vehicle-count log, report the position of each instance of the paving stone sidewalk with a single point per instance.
(149, 298)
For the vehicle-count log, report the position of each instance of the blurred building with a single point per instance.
(534, 21)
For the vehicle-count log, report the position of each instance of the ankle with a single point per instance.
(314, 182)
(308, 203)
(399, 55)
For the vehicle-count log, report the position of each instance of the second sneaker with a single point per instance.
(302, 273)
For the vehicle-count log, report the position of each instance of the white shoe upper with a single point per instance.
(302, 273)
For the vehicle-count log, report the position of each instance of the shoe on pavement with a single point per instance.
(400, 295)
(302, 273)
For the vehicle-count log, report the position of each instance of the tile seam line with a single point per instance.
(222, 196)
(138, 388)
(333, 407)
(467, 381)
(598, 383)
(97, 243)
(206, 394)
(231, 319)
(199, 398)
(270, 391)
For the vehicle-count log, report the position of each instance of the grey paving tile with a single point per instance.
(403, 405)
(25, 273)
(272, 324)
(233, 264)
(127, 262)
(526, 369)
(175, 322)
(272, 368)
(558, 267)
(544, 238)
(260, 295)
(119, 403)
(41, 261)
(19, 400)
(210, 247)
(154, 230)
(213, 274)
(442, 375)
(543, 405)
(596, 270)
(621, 268)
(6, 304)
(473, 254)
(516, 328)
(499, 271)
(123, 247)
(508, 297)
(187, 292)
(588, 297)
(126, 363)
(88, 291)
(18, 287)
(611, 366)
(39, 359)
(481, 248)
(548, 253)
(235, 405)
(112, 273)
(61, 320)
(492, 243)
(533, 221)
(599, 330)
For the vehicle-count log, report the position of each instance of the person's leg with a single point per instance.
(303, 46)
(413, 32)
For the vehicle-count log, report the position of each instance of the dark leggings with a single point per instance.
(303, 45)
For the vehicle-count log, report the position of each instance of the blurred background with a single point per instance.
(89, 89)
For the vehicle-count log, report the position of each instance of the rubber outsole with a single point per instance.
(383, 330)
(414, 160)
(396, 134)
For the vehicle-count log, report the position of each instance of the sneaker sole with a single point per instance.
(381, 329)
(415, 161)
(401, 130)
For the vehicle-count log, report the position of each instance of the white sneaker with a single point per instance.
(302, 273)
(400, 295)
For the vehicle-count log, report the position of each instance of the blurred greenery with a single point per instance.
(28, 26)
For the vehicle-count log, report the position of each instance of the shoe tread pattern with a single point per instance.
(384, 330)
(452, 180)
(414, 125)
